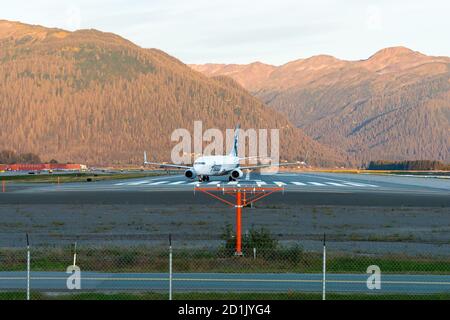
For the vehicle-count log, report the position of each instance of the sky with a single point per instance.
(244, 31)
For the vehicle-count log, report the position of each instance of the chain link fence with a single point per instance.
(266, 270)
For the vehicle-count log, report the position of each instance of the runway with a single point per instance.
(300, 188)
(229, 282)
(369, 214)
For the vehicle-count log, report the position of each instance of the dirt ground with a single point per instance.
(410, 230)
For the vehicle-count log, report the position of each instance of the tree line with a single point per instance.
(12, 157)
(408, 165)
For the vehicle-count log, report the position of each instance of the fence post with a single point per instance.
(3, 186)
(324, 269)
(28, 268)
(75, 254)
(170, 267)
(254, 253)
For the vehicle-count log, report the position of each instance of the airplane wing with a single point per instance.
(303, 163)
(274, 165)
(251, 158)
(164, 164)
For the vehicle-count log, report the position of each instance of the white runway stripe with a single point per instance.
(359, 184)
(177, 182)
(136, 183)
(156, 183)
(256, 182)
(316, 183)
(336, 184)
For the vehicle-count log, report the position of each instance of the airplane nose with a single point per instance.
(199, 170)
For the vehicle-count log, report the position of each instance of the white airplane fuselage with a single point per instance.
(215, 165)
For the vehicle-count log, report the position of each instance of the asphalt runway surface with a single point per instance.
(361, 212)
(299, 188)
(229, 282)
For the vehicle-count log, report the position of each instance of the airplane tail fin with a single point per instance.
(234, 149)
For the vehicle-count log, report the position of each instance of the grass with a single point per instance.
(283, 260)
(217, 296)
(394, 172)
(147, 259)
(57, 223)
(77, 177)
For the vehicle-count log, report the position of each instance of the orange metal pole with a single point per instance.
(242, 200)
(238, 223)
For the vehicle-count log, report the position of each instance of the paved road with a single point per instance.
(230, 282)
(300, 188)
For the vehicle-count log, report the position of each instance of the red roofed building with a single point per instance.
(41, 166)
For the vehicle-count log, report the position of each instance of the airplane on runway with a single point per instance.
(218, 165)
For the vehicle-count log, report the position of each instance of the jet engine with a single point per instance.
(236, 174)
(189, 173)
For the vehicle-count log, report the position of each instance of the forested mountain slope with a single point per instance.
(94, 97)
(393, 106)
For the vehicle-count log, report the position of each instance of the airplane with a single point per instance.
(218, 165)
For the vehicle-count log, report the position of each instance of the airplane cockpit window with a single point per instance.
(200, 163)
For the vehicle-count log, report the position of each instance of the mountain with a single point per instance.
(250, 76)
(94, 97)
(394, 105)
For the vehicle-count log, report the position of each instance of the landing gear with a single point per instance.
(230, 178)
(203, 178)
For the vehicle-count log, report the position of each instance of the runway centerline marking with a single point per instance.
(279, 183)
(298, 183)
